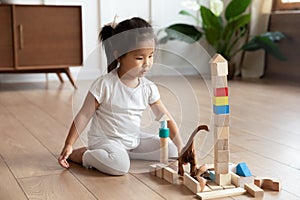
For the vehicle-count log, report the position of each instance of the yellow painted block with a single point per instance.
(220, 101)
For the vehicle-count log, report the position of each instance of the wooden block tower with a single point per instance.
(219, 71)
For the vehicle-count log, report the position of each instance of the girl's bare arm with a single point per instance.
(158, 108)
(79, 123)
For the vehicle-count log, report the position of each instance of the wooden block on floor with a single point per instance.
(225, 187)
(220, 92)
(221, 156)
(213, 186)
(222, 120)
(235, 179)
(159, 170)
(170, 175)
(220, 101)
(221, 133)
(219, 81)
(221, 193)
(254, 190)
(223, 179)
(191, 183)
(221, 168)
(268, 183)
(152, 169)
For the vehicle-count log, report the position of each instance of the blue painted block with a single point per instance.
(243, 170)
(221, 110)
(212, 175)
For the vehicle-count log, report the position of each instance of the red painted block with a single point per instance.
(220, 92)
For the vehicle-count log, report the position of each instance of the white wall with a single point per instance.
(96, 13)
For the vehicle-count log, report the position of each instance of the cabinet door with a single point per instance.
(48, 35)
(6, 38)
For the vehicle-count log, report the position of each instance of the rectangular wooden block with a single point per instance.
(221, 110)
(222, 144)
(170, 175)
(191, 183)
(221, 193)
(159, 170)
(221, 168)
(219, 69)
(221, 156)
(221, 133)
(214, 186)
(235, 179)
(223, 179)
(152, 169)
(225, 187)
(222, 120)
(220, 92)
(220, 101)
(254, 190)
(219, 81)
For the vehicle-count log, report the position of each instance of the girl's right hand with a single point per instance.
(64, 155)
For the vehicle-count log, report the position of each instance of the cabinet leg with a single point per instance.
(69, 75)
(60, 77)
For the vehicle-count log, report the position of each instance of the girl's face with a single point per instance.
(138, 62)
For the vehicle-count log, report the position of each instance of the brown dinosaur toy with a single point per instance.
(188, 155)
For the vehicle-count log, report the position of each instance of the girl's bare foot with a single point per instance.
(76, 155)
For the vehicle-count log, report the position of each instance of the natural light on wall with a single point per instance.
(290, 1)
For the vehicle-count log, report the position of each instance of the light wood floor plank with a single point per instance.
(59, 186)
(113, 187)
(9, 187)
(22, 152)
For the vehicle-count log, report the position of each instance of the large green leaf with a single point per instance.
(183, 32)
(209, 19)
(212, 25)
(274, 36)
(263, 42)
(235, 24)
(236, 8)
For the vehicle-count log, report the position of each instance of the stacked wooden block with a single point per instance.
(219, 71)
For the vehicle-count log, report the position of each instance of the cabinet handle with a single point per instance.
(21, 36)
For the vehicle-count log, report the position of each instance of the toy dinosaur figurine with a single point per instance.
(188, 155)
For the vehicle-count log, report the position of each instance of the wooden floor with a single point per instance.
(35, 117)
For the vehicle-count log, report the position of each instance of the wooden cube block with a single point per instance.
(221, 110)
(191, 183)
(170, 175)
(223, 179)
(235, 179)
(221, 133)
(220, 101)
(254, 190)
(221, 120)
(222, 144)
(220, 92)
(219, 81)
(221, 168)
(221, 156)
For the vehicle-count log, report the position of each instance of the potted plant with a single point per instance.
(227, 35)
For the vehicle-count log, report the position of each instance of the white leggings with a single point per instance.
(111, 158)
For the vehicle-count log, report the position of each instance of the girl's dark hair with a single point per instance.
(127, 35)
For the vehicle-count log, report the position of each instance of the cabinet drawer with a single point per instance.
(48, 35)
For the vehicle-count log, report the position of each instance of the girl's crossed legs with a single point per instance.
(112, 158)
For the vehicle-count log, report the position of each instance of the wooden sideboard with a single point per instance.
(40, 39)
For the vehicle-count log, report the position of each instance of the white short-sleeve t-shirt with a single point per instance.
(120, 112)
